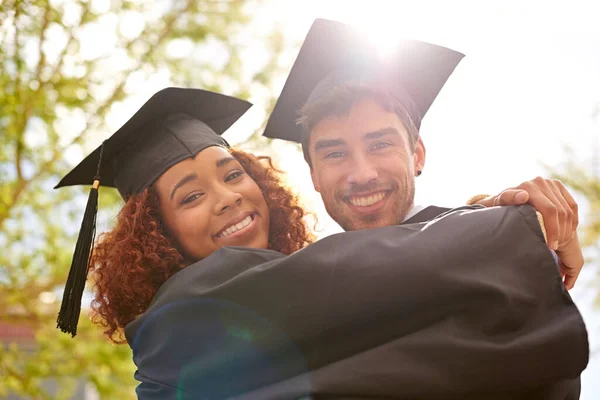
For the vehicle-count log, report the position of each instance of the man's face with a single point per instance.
(363, 167)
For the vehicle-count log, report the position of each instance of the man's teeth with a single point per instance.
(234, 228)
(367, 200)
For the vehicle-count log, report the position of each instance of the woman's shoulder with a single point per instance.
(201, 277)
(216, 269)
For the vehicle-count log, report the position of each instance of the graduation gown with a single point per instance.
(469, 305)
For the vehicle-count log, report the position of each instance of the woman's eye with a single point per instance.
(191, 198)
(233, 175)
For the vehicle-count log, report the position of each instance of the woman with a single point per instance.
(268, 217)
(187, 194)
(197, 272)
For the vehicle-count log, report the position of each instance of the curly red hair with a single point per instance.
(137, 256)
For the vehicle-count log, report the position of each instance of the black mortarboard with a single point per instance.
(334, 53)
(175, 124)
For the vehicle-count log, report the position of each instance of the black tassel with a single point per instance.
(70, 309)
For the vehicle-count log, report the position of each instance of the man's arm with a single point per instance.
(558, 213)
(467, 303)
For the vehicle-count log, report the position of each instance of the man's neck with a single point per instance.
(413, 211)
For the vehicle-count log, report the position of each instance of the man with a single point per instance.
(359, 123)
(359, 119)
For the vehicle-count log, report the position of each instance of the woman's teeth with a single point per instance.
(234, 228)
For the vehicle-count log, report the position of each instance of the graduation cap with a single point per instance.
(335, 54)
(175, 124)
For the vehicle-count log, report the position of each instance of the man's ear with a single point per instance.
(419, 156)
(314, 181)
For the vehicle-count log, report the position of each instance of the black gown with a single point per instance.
(464, 304)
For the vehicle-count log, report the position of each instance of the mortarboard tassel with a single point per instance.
(70, 309)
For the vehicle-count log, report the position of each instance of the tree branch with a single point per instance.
(121, 85)
(18, 155)
(28, 103)
(16, 57)
(22, 117)
(169, 24)
(21, 183)
(102, 109)
(42, 37)
(19, 187)
(28, 107)
(18, 123)
(25, 381)
(70, 39)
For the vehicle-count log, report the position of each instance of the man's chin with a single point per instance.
(367, 222)
(392, 213)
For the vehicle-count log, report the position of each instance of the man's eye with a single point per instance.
(334, 154)
(380, 145)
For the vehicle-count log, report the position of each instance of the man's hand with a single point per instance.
(561, 217)
(570, 259)
(551, 199)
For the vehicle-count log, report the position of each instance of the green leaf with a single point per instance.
(36, 222)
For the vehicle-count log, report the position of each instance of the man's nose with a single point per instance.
(362, 171)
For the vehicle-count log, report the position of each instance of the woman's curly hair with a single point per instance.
(134, 259)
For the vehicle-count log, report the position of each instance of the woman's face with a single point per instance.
(209, 202)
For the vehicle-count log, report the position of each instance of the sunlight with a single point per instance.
(380, 35)
(382, 22)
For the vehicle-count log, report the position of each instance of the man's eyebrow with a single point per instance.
(183, 181)
(321, 144)
(381, 133)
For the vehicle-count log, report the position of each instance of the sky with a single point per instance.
(528, 86)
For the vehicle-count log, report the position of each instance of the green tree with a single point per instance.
(584, 178)
(66, 67)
